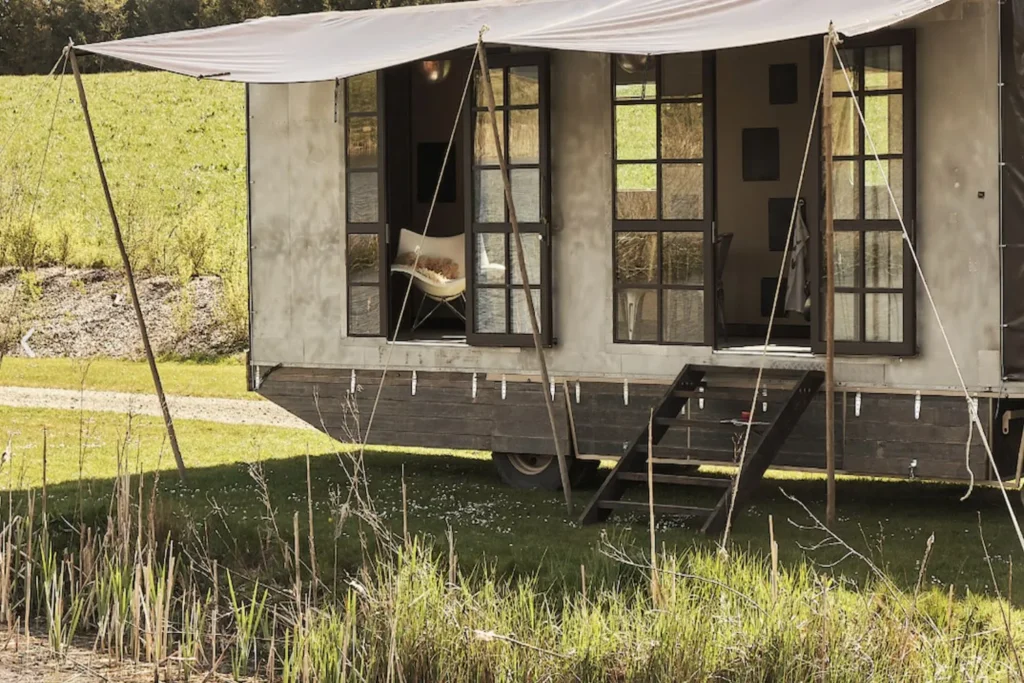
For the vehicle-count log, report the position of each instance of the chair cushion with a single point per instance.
(453, 248)
(438, 268)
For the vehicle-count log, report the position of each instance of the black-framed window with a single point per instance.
(663, 177)
(874, 276)
(366, 223)
(497, 310)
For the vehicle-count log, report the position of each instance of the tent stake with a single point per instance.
(830, 287)
(485, 77)
(172, 437)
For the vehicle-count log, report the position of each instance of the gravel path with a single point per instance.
(226, 410)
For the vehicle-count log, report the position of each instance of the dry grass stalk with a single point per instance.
(655, 589)
(214, 616)
(999, 601)
(298, 565)
(28, 565)
(312, 540)
(405, 510)
(775, 558)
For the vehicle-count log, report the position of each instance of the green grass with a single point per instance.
(515, 532)
(222, 379)
(174, 151)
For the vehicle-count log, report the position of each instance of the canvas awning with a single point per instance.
(328, 45)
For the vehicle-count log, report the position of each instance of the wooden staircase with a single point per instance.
(697, 384)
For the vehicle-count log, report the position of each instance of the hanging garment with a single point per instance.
(797, 285)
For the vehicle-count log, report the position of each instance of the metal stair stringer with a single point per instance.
(758, 462)
(635, 457)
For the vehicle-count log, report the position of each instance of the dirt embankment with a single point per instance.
(83, 313)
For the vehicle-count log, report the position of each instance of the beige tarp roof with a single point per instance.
(328, 45)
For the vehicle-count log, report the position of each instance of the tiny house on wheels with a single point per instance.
(666, 162)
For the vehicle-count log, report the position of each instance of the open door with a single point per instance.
(366, 233)
(497, 314)
(664, 193)
(875, 279)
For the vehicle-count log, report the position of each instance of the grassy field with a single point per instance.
(223, 379)
(514, 532)
(174, 151)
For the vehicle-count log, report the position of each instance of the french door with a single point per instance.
(497, 313)
(365, 206)
(664, 195)
(875, 279)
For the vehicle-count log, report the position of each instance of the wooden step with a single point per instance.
(696, 456)
(703, 423)
(643, 507)
(677, 479)
(724, 393)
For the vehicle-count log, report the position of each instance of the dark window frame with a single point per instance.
(506, 61)
(380, 227)
(862, 225)
(661, 226)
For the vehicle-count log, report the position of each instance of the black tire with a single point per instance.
(540, 472)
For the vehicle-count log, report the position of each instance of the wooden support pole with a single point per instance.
(172, 437)
(485, 79)
(830, 286)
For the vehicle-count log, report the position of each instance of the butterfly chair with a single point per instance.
(439, 290)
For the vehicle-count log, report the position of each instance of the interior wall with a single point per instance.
(434, 109)
(743, 102)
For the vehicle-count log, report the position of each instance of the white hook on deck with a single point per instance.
(352, 383)
(504, 387)
(856, 405)
(474, 385)
(413, 382)
(700, 401)
(577, 391)
(625, 392)
(917, 405)
(552, 387)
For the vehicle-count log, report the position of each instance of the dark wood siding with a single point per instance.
(884, 439)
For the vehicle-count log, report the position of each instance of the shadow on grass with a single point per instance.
(515, 532)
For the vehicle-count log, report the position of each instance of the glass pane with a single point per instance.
(636, 258)
(364, 310)
(637, 315)
(884, 115)
(489, 310)
(490, 258)
(497, 83)
(877, 202)
(524, 85)
(682, 130)
(847, 317)
(363, 258)
(636, 132)
(521, 314)
(684, 316)
(847, 248)
(362, 92)
(362, 197)
(845, 127)
(682, 75)
(846, 190)
(524, 136)
(484, 149)
(883, 68)
(682, 193)
(489, 196)
(362, 142)
(850, 59)
(883, 259)
(531, 250)
(636, 191)
(682, 255)
(634, 77)
(526, 194)
(883, 317)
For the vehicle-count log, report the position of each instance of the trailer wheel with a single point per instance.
(539, 472)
